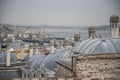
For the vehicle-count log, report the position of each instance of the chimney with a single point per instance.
(58, 45)
(92, 32)
(52, 46)
(31, 50)
(77, 37)
(61, 44)
(8, 55)
(74, 62)
(67, 43)
(22, 51)
(36, 48)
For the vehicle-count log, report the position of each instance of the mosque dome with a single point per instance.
(97, 46)
(47, 63)
(114, 19)
(3, 57)
(27, 58)
(33, 59)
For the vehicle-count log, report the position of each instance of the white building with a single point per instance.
(26, 35)
(10, 35)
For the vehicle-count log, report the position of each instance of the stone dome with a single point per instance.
(97, 46)
(13, 58)
(114, 19)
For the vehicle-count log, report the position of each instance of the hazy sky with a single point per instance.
(58, 12)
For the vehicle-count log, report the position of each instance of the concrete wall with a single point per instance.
(98, 67)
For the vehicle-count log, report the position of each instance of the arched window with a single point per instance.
(24, 75)
(42, 75)
(34, 75)
(28, 75)
(112, 25)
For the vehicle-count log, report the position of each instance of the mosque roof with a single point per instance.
(48, 63)
(96, 46)
(66, 63)
(3, 57)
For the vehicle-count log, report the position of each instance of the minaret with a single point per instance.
(114, 26)
(36, 48)
(92, 32)
(61, 44)
(58, 45)
(22, 51)
(8, 56)
(67, 43)
(52, 46)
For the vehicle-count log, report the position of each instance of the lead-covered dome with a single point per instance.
(114, 19)
(33, 59)
(3, 57)
(47, 63)
(96, 46)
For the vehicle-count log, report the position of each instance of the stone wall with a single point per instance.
(9, 74)
(98, 67)
(63, 71)
(69, 78)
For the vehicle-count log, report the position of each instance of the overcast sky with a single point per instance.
(58, 12)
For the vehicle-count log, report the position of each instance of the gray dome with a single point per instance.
(96, 46)
(114, 19)
(3, 57)
(27, 57)
(33, 59)
(47, 63)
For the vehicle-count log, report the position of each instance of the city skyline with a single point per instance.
(58, 12)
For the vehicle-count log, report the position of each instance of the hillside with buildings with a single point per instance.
(27, 32)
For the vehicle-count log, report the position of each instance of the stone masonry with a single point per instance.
(98, 67)
(63, 71)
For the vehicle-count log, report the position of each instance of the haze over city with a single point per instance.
(58, 12)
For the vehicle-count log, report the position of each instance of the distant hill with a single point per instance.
(7, 27)
(14, 27)
(102, 27)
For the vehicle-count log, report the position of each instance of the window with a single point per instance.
(116, 25)
(34, 75)
(112, 25)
